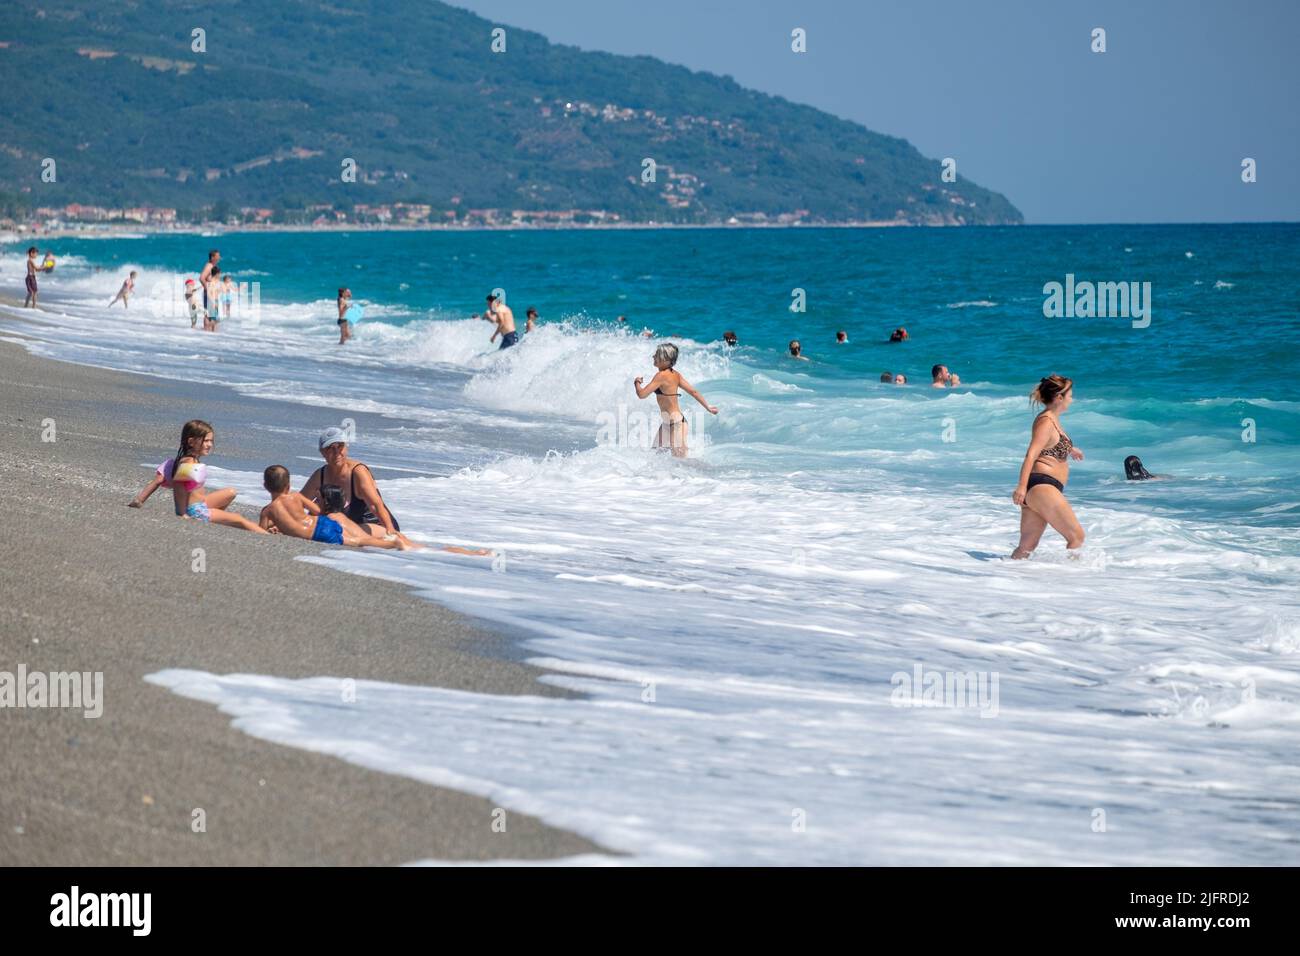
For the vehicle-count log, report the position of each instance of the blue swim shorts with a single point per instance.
(328, 531)
(198, 510)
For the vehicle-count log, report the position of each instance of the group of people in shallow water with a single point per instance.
(339, 504)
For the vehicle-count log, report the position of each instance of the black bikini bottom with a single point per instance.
(1045, 480)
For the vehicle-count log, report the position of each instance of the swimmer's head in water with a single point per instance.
(276, 479)
(194, 436)
(666, 355)
(795, 347)
(841, 336)
(900, 379)
(1050, 389)
(729, 337)
(886, 376)
(531, 313)
(1133, 469)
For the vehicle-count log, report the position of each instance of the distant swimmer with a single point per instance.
(796, 351)
(898, 335)
(887, 377)
(192, 302)
(940, 377)
(900, 379)
(505, 320)
(32, 287)
(124, 293)
(531, 324)
(1046, 469)
(344, 302)
(1135, 471)
(666, 385)
(841, 337)
(729, 338)
(297, 516)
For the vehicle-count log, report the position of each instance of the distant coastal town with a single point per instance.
(80, 218)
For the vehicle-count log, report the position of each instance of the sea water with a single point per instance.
(779, 641)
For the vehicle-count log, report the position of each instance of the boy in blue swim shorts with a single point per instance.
(293, 514)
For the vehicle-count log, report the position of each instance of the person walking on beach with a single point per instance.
(32, 287)
(1045, 471)
(124, 293)
(362, 501)
(666, 385)
(505, 320)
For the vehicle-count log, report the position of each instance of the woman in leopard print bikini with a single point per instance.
(1046, 469)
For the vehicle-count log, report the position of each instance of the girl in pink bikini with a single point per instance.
(185, 475)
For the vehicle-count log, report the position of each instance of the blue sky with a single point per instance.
(1152, 130)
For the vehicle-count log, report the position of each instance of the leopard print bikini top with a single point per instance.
(1061, 450)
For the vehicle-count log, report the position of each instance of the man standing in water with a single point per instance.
(214, 256)
(505, 320)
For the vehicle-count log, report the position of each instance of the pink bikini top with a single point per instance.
(192, 474)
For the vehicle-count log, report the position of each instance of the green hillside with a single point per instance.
(412, 91)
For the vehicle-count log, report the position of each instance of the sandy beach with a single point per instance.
(88, 584)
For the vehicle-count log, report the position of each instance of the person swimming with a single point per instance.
(666, 385)
(841, 337)
(1134, 471)
(1045, 471)
(796, 350)
(887, 377)
(898, 335)
(729, 338)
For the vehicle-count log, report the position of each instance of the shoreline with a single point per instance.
(118, 230)
(99, 587)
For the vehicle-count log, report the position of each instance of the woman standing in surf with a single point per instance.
(1046, 469)
(666, 385)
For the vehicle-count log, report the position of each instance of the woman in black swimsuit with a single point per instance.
(666, 385)
(1046, 469)
(353, 482)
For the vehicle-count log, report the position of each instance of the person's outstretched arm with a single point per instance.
(145, 492)
(690, 390)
